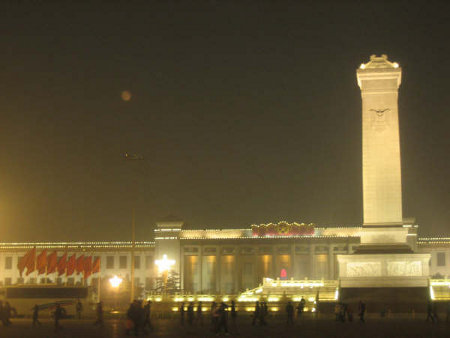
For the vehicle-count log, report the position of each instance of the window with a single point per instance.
(59, 280)
(149, 261)
(137, 281)
(441, 259)
(137, 262)
(123, 262)
(32, 281)
(7, 281)
(8, 263)
(70, 281)
(20, 280)
(110, 262)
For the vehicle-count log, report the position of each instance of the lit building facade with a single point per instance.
(220, 261)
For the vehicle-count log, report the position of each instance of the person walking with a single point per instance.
(199, 313)
(214, 316)
(290, 313)
(234, 317)
(7, 313)
(222, 319)
(79, 308)
(99, 314)
(147, 313)
(190, 313)
(36, 315)
(263, 314)
(182, 313)
(58, 316)
(362, 311)
(256, 313)
(2, 316)
(430, 314)
(300, 308)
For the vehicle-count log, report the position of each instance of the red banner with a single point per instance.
(27, 261)
(71, 265)
(52, 261)
(62, 264)
(80, 264)
(87, 267)
(96, 265)
(42, 262)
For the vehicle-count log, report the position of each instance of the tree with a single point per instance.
(172, 285)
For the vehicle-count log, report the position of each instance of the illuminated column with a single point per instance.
(379, 81)
(294, 272)
(330, 262)
(312, 270)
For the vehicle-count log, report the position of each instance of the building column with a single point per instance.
(237, 272)
(200, 259)
(312, 268)
(218, 271)
(293, 262)
(330, 261)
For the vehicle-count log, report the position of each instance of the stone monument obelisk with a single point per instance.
(384, 259)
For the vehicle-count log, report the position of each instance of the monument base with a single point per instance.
(384, 270)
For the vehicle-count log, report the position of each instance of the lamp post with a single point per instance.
(133, 157)
(164, 266)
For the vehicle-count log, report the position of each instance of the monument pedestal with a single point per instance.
(384, 270)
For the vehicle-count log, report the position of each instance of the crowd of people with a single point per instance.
(221, 315)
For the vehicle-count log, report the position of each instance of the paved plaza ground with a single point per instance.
(324, 327)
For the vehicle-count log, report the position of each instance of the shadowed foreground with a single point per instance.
(276, 328)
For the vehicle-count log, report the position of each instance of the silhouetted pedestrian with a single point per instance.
(361, 310)
(223, 318)
(300, 308)
(290, 313)
(190, 313)
(430, 315)
(36, 315)
(256, 313)
(199, 313)
(263, 314)
(58, 316)
(234, 317)
(182, 313)
(79, 308)
(7, 313)
(214, 316)
(2, 315)
(147, 313)
(349, 313)
(99, 314)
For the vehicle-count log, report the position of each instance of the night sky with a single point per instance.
(245, 112)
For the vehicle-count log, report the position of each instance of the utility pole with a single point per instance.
(133, 245)
(133, 157)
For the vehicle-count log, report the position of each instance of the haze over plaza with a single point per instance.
(243, 115)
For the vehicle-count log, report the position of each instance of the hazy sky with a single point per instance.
(245, 112)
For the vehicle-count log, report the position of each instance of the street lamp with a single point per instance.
(164, 266)
(115, 282)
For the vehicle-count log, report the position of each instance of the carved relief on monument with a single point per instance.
(379, 119)
(363, 269)
(404, 268)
